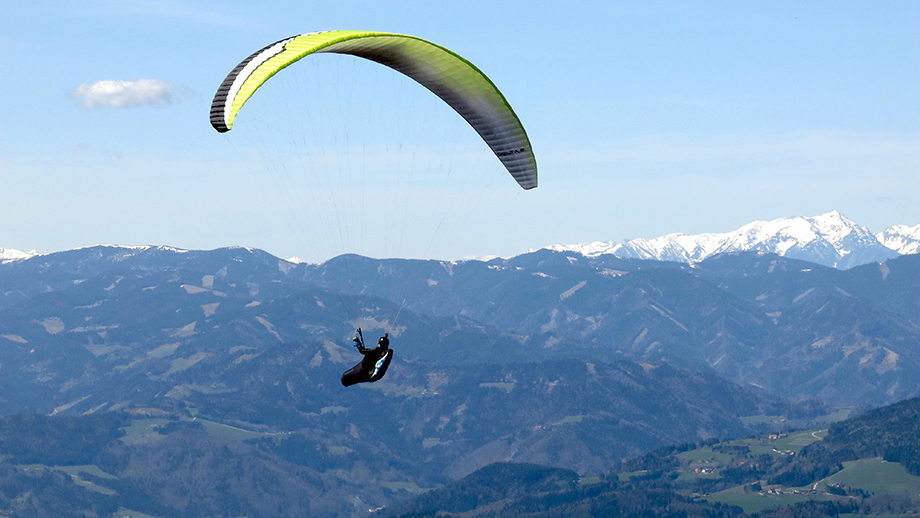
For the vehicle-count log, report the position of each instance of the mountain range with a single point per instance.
(214, 365)
(206, 383)
(793, 328)
(830, 239)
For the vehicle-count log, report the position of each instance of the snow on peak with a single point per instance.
(830, 239)
(585, 249)
(901, 238)
(117, 252)
(124, 252)
(8, 255)
(829, 231)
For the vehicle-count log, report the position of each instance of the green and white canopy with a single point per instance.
(449, 76)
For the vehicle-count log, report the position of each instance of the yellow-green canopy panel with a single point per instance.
(455, 80)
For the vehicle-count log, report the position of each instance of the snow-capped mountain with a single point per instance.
(9, 254)
(901, 238)
(829, 239)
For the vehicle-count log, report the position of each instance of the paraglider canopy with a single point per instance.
(449, 76)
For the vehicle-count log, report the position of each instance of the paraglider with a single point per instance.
(452, 78)
(448, 75)
(374, 364)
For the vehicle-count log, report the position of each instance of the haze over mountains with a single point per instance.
(830, 239)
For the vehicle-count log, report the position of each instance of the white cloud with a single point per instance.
(125, 94)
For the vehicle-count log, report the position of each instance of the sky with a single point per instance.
(646, 118)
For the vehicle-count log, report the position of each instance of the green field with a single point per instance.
(872, 475)
(754, 502)
(232, 433)
(839, 415)
(796, 441)
(628, 475)
(762, 447)
(140, 428)
(793, 442)
(689, 475)
(702, 458)
(74, 472)
(704, 455)
(876, 476)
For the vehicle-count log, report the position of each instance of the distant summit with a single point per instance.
(829, 239)
(901, 238)
(8, 255)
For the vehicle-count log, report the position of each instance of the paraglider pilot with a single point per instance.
(374, 364)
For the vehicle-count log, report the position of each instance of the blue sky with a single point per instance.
(646, 118)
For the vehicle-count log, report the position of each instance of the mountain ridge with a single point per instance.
(830, 239)
(781, 324)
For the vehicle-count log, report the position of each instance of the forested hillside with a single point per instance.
(217, 371)
(865, 465)
(278, 436)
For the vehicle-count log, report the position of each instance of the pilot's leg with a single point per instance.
(354, 375)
